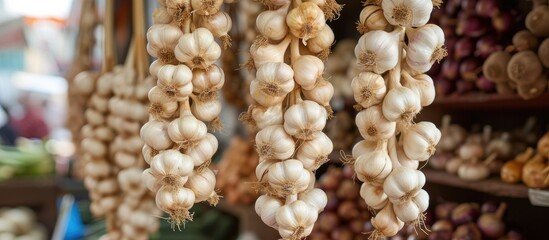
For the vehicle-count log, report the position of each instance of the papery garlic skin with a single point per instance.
(377, 51)
(308, 70)
(373, 126)
(273, 142)
(175, 81)
(266, 207)
(272, 23)
(373, 195)
(297, 217)
(288, 177)
(401, 105)
(407, 13)
(162, 39)
(420, 140)
(368, 89)
(306, 21)
(371, 18)
(314, 152)
(273, 82)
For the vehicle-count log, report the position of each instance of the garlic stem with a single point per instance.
(294, 49)
(394, 74)
(393, 152)
(187, 25)
(185, 107)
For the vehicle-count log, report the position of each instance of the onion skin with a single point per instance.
(495, 66)
(489, 207)
(485, 85)
(468, 69)
(470, 25)
(333, 202)
(327, 221)
(450, 69)
(536, 21)
(439, 160)
(524, 40)
(511, 172)
(440, 235)
(464, 48)
(347, 190)
(490, 224)
(442, 225)
(464, 213)
(463, 87)
(444, 210)
(502, 22)
(486, 8)
(543, 52)
(468, 231)
(487, 45)
(444, 86)
(342, 233)
(347, 210)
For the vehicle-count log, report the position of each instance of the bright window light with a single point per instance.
(39, 8)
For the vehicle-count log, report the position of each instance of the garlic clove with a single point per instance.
(266, 207)
(368, 89)
(315, 152)
(305, 120)
(373, 126)
(377, 51)
(306, 21)
(420, 140)
(273, 142)
(315, 197)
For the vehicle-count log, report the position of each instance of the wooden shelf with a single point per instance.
(490, 101)
(492, 186)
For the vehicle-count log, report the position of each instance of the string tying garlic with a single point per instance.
(178, 147)
(391, 89)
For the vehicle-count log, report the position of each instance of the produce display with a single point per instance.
(20, 224)
(346, 215)
(236, 171)
(25, 161)
(523, 63)
(474, 29)
(291, 105)
(531, 167)
(178, 147)
(396, 49)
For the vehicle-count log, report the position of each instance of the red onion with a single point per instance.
(330, 180)
(463, 87)
(464, 213)
(464, 47)
(442, 225)
(514, 235)
(440, 235)
(327, 221)
(348, 172)
(486, 8)
(486, 85)
(452, 6)
(333, 202)
(487, 45)
(447, 22)
(368, 227)
(468, 5)
(502, 22)
(356, 226)
(347, 210)
(348, 190)
(315, 235)
(470, 25)
(444, 86)
(444, 210)
(489, 207)
(468, 231)
(450, 44)
(342, 233)
(469, 68)
(450, 69)
(490, 224)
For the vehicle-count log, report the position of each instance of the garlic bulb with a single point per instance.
(268, 53)
(425, 46)
(266, 207)
(176, 202)
(206, 7)
(322, 93)
(305, 21)
(315, 197)
(273, 142)
(161, 40)
(264, 117)
(296, 220)
(407, 13)
(309, 70)
(203, 184)
(330, 8)
(202, 152)
(423, 85)
(219, 25)
(169, 165)
(322, 42)
(272, 23)
(175, 81)
(206, 82)
(288, 177)
(197, 49)
(207, 111)
(155, 135)
(161, 107)
(401, 105)
(411, 210)
(314, 152)
(420, 140)
(305, 120)
(363, 147)
(377, 51)
(373, 166)
(386, 223)
(373, 195)
(187, 131)
(402, 183)
(273, 81)
(373, 126)
(180, 10)
(371, 19)
(368, 89)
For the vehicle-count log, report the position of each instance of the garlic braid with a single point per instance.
(290, 111)
(390, 92)
(178, 146)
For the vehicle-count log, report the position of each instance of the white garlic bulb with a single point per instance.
(203, 151)
(309, 71)
(273, 142)
(368, 89)
(269, 53)
(206, 7)
(161, 42)
(420, 140)
(407, 13)
(264, 117)
(187, 131)
(373, 166)
(202, 184)
(296, 220)
(169, 164)
(315, 197)
(410, 211)
(373, 126)
(423, 85)
(272, 23)
(305, 120)
(288, 177)
(155, 135)
(322, 42)
(363, 147)
(161, 106)
(401, 105)
(373, 195)
(314, 152)
(273, 82)
(176, 202)
(425, 47)
(266, 207)
(377, 51)
(175, 80)
(206, 111)
(198, 49)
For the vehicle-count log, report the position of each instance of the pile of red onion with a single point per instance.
(474, 29)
